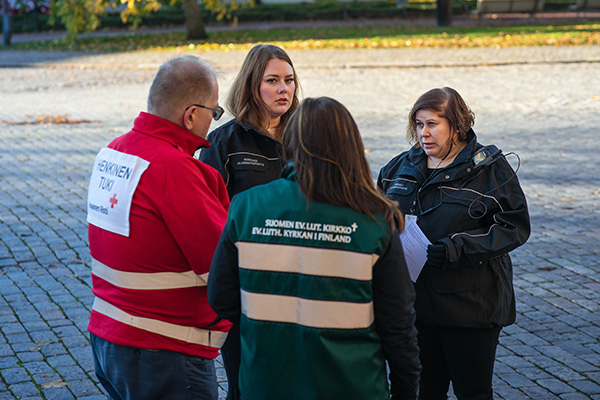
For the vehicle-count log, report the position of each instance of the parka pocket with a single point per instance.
(460, 280)
(468, 201)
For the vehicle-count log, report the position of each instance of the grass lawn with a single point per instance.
(379, 36)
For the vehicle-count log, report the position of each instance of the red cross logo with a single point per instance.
(113, 200)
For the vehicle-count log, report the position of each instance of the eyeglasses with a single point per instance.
(217, 112)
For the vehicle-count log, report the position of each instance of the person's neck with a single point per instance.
(442, 162)
(272, 128)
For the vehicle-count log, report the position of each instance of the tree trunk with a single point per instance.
(193, 20)
(444, 12)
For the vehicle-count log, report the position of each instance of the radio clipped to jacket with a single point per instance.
(485, 156)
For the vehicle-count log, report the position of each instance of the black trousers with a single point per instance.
(231, 352)
(463, 356)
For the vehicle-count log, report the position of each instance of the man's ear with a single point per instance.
(188, 118)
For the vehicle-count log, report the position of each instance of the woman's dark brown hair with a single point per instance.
(329, 158)
(448, 104)
(244, 101)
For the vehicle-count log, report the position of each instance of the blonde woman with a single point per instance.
(247, 150)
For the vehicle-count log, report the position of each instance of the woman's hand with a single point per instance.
(437, 255)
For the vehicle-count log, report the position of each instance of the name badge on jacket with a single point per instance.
(113, 182)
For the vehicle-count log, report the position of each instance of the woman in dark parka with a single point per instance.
(468, 202)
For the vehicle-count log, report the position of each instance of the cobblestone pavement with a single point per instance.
(541, 103)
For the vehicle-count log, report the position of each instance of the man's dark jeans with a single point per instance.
(132, 373)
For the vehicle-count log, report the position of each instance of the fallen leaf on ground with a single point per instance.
(55, 384)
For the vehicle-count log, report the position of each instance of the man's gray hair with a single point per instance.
(179, 83)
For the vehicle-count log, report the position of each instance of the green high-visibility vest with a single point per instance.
(307, 325)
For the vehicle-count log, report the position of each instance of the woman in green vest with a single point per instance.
(312, 269)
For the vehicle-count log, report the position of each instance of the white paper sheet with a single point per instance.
(414, 243)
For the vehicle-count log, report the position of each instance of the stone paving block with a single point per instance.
(83, 357)
(553, 336)
(537, 292)
(593, 357)
(53, 393)
(24, 346)
(547, 309)
(85, 389)
(39, 368)
(4, 262)
(586, 290)
(545, 362)
(67, 331)
(594, 376)
(512, 329)
(77, 340)
(577, 347)
(53, 315)
(535, 373)
(14, 331)
(13, 376)
(524, 350)
(590, 305)
(8, 318)
(566, 372)
(558, 329)
(77, 312)
(586, 386)
(529, 325)
(33, 326)
(43, 337)
(65, 254)
(538, 393)
(500, 368)
(514, 361)
(575, 321)
(574, 396)
(9, 361)
(63, 360)
(510, 341)
(574, 267)
(29, 356)
(56, 323)
(532, 278)
(555, 386)
(517, 380)
(25, 390)
(51, 349)
(28, 314)
(530, 339)
(71, 371)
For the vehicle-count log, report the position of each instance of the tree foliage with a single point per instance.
(84, 15)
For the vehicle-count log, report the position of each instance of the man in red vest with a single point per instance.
(155, 215)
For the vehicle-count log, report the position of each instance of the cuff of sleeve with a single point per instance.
(452, 254)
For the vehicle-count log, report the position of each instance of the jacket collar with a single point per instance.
(175, 135)
(250, 128)
(466, 153)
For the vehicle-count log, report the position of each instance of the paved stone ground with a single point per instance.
(541, 103)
